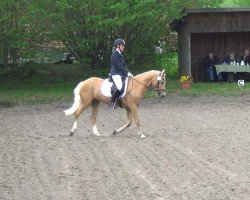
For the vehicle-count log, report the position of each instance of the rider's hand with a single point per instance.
(130, 75)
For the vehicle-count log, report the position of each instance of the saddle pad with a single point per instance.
(106, 88)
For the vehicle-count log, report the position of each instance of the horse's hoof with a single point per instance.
(71, 133)
(142, 136)
(95, 131)
(114, 132)
(97, 134)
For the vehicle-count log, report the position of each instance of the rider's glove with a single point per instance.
(130, 75)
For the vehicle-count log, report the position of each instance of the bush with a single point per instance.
(52, 73)
(169, 62)
(44, 74)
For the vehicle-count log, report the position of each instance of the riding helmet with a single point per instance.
(119, 42)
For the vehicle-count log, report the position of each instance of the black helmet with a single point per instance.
(119, 42)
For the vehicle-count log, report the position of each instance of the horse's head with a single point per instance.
(158, 84)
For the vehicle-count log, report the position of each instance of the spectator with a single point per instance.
(246, 57)
(246, 60)
(229, 60)
(208, 64)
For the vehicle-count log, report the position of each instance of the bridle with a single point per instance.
(159, 79)
(156, 88)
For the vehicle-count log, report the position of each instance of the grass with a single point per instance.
(54, 83)
(209, 89)
(29, 95)
(22, 94)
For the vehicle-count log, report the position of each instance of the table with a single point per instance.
(231, 69)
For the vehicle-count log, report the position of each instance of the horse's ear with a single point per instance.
(163, 72)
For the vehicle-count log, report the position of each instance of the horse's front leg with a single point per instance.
(136, 120)
(129, 117)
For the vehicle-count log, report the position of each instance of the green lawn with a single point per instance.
(209, 89)
(20, 94)
(26, 95)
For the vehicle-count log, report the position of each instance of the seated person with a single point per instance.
(246, 57)
(229, 60)
(208, 64)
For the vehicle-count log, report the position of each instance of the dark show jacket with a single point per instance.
(118, 66)
(208, 62)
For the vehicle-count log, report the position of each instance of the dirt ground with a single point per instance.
(196, 148)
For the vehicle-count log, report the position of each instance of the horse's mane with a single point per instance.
(144, 73)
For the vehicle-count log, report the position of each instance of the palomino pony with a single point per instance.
(88, 93)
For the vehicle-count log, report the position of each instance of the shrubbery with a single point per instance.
(60, 73)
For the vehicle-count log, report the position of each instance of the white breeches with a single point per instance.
(118, 81)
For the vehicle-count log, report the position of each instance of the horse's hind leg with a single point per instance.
(81, 108)
(73, 130)
(126, 125)
(95, 105)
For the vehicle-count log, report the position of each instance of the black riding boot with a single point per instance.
(114, 97)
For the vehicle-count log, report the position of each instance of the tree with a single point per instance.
(11, 32)
(243, 3)
(88, 28)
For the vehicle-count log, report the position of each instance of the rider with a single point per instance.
(118, 69)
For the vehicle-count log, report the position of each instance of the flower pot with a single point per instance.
(186, 85)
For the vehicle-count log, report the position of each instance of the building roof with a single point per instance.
(215, 10)
(178, 22)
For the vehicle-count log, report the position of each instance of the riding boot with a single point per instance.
(114, 97)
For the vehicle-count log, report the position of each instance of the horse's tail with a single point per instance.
(77, 101)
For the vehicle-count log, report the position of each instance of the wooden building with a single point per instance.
(220, 30)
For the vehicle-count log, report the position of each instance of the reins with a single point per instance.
(139, 82)
(157, 88)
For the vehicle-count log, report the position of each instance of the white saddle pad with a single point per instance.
(106, 88)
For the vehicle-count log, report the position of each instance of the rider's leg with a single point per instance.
(118, 82)
(115, 95)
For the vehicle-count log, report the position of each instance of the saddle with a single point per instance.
(108, 87)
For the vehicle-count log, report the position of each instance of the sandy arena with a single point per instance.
(197, 148)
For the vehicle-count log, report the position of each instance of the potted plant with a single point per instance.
(186, 82)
